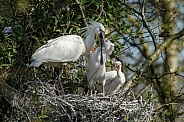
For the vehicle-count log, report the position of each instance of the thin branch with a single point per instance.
(8, 92)
(100, 13)
(170, 102)
(68, 104)
(153, 58)
(82, 13)
(142, 91)
(159, 77)
(145, 23)
(128, 67)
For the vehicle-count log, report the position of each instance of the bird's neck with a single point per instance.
(119, 71)
(90, 41)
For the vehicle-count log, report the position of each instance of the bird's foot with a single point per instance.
(101, 94)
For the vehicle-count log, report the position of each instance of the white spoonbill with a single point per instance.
(114, 80)
(57, 52)
(94, 68)
(94, 31)
(68, 48)
(60, 50)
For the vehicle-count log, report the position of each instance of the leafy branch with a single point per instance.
(153, 58)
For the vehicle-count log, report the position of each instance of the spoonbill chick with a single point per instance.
(114, 80)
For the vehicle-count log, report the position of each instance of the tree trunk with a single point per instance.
(171, 53)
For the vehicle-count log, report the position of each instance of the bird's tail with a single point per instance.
(35, 64)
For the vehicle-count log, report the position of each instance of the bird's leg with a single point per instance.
(55, 73)
(103, 89)
(35, 72)
(61, 71)
(90, 91)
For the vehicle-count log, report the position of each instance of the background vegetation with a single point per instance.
(144, 32)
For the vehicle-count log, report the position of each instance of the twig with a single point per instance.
(157, 109)
(82, 13)
(145, 23)
(69, 117)
(159, 77)
(68, 104)
(100, 13)
(128, 67)
(143, 91)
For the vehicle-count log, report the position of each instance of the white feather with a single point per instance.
(114, 80)
(66, 48)
(94, 69)
(89, 35)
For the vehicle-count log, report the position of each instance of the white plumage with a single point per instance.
(68, 48)
(95, 70)
(60, 50)
(110, 48)
(114, 80)
(94, 31)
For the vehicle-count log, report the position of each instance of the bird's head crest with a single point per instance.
(93, 26)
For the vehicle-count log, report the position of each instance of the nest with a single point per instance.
(45, 105)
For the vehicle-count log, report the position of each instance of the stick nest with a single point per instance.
(43, 104)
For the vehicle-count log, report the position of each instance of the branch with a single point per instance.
(83, 16)
(159, 77)
(153, 58)
(171, 102)
(8, 92)
(12, 95)
(145, 23)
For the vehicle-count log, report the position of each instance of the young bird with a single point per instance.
(114, 80)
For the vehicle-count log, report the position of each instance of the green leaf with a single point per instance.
(43, 116)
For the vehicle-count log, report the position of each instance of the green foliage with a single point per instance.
(42, 114)
(34, 22)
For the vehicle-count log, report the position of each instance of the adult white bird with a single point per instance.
(57, 52)
(68, 48)
(60, 50)
(95, 69)
(92, 33)
(114, 80)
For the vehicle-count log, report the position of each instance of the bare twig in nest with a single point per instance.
(70, 107)
(68, 104)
